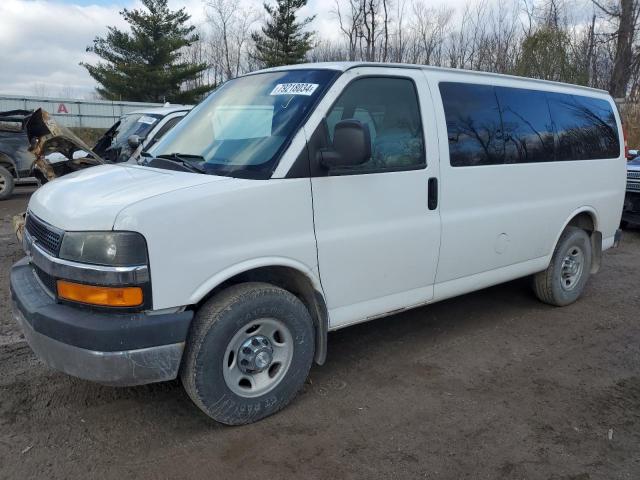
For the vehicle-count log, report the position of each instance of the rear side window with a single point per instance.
(389, 107)
(489, 125)
(528, 129)
(585, 127)
(473, 124)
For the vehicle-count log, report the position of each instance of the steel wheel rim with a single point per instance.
(243, 380)
(3, 184)
(572, 267)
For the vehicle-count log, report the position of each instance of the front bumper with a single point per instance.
(631, 217)
(631, 210)
(109, 348)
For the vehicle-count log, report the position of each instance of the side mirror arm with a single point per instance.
(329, 158)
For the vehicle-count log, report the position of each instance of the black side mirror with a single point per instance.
(133, 141)
(351, 145)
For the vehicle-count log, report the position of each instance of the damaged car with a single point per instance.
(138, 131)
(59, 151)
(54, 150)
(16, 160)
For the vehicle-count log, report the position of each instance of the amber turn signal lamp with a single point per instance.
(98, 295)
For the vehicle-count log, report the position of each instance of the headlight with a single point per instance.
(118, 249)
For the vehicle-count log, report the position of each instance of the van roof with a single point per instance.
(344, 66)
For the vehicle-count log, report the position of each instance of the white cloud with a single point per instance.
(43, 43)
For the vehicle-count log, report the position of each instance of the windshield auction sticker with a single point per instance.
(294, 89)
(147, 120)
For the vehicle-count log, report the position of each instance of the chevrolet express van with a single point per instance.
(299, 200)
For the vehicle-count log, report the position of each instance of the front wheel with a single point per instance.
(249, 351)
(563, 281)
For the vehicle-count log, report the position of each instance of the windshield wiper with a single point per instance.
(184, 160)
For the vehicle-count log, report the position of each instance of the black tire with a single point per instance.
(217, 323)
(6, 183)
(550, 286)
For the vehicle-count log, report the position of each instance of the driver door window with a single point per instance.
(389, 108)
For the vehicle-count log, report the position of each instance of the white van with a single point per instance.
(299, 200)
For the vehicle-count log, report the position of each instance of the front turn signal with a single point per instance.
(99, 295)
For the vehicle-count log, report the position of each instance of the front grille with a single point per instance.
(46, 236)
(634, 175)
(633, 186)
(47, 280)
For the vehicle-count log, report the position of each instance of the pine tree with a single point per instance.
(283, 41)
(146, 64)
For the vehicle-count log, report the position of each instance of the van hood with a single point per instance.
(91, 199)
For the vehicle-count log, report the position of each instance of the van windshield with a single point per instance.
(134, 124)
(242, 128)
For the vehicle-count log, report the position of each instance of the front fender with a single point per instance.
(248, 265)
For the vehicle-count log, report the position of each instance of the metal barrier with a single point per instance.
(75, 113)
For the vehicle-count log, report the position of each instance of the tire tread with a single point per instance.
(543, 281)
(206, 317)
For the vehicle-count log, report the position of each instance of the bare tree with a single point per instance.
(198, 53)
(431, 28)
(39, 89)
(530, 37)
(398, 43)
(385, 28)
(67, 91)
(328, 51)
(625, 15)
(230, 35)
(350, 22)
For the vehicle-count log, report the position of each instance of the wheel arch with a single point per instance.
(284, 273)
(586, 218)
(8, 162)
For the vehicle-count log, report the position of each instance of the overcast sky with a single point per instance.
(43, 41)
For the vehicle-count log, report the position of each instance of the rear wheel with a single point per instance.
(6, 183)
(563, 281)
(248, 353)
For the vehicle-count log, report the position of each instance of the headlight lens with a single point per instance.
(118, 249)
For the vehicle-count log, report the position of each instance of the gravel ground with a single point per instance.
(491, 385)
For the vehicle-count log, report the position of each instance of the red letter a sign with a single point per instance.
(62, 108)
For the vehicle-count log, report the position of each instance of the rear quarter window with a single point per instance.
(585, 127)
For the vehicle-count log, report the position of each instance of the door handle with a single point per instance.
(432, 196)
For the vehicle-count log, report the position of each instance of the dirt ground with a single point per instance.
(491, 385)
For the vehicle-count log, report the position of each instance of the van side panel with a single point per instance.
(496, 216)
